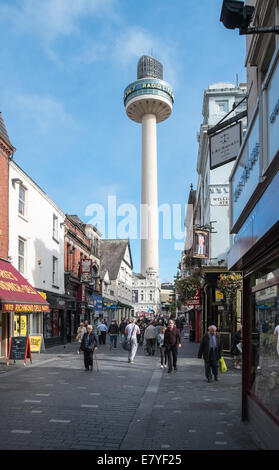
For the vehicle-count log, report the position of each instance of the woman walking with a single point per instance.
(80, 332)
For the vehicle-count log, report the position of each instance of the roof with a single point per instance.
(112, 254)
(139, 275)
(3, 131)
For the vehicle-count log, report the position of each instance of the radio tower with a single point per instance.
(149, 100)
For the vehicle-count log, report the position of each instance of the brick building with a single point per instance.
(82, 242)
(6, 152)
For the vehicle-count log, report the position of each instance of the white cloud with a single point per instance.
(45, 114)
(52, 18)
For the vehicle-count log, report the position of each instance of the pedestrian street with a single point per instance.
(54, 403)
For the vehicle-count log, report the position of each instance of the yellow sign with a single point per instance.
(23, 325)
(218, 295)
(43, 294)
(16, 319)
(35, 343)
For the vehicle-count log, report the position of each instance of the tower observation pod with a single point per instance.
(149, 100)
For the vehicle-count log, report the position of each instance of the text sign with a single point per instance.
(35, 343)
(19, 349)
(225, 145)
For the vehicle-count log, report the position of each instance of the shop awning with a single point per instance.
(16, 294)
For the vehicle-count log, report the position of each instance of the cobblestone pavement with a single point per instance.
(54, 403)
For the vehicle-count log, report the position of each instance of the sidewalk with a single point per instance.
(189, 413)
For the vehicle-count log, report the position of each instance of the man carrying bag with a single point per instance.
(211, 351)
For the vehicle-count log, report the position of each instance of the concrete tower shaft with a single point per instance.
(149, 100)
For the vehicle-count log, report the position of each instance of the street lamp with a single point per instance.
(235, 14)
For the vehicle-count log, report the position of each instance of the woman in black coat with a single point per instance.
(88, 344)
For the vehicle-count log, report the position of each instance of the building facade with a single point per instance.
(254, 189)
(36, 250)
(116, 261)
(146, 293)
(208, 216)
(82, 272)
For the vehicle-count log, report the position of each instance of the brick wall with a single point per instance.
(4, 200)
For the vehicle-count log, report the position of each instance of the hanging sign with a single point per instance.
(19, 349)
(225, 145)
(201, 244)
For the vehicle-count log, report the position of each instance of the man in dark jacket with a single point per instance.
(113, 332)
(172, 341)
(88, 344)
(211, 351)
(122, 328)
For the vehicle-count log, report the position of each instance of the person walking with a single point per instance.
(172, 341)
(276, 332)
(88, 345)
(236, 349)
(211, 351)
(113, 331)
(122, 328)
(103, 332)
(151, 336)
(163, 353)
(132, 330)
(80, 332)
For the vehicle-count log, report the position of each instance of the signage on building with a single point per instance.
(225, 145)
(271, 112)
(218, 295)
(86, 270)
(97, 302)
(219, 196)
(246, 174)
(201, 244)
(110, 305)
(195, 301)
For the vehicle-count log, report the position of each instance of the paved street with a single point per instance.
(55, 404)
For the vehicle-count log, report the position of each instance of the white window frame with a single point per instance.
(20, 256)
(22, 201)
(55, 271)
(55, 234)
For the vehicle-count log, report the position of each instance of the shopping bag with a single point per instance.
(222, 365)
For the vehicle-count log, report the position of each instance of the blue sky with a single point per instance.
(64, 67)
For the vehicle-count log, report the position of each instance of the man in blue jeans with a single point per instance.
(113, 332)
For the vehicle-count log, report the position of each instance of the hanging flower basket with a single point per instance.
(229, 283)
(187, 288)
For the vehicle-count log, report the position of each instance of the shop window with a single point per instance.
(265, 340)
(52, 324)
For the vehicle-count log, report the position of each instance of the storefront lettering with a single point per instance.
(7, 275)
(10, 286)
(246, 172)
(274, 113)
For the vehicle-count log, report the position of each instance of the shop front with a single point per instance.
(110, 311)
(255, 221)
(54, 321)
(21, 306)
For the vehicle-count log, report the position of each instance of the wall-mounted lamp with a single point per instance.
(235, 14)
(39, 261)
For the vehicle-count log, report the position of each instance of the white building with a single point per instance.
(117, 268)
(146, 293)
(209, 209)
(36, 242)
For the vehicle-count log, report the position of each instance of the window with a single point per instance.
(54, 271)
(150, 295)
(55, 227)
(22, 200)
(141, 297)
(222, 106)
(21, 254)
